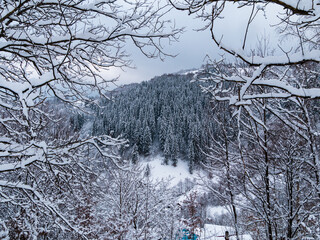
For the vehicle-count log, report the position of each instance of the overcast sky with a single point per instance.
(194, 46)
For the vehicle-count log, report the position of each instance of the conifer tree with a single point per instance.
(167, 150)
(174, 151)
(191, 156)
(146, 141)
(135, 154)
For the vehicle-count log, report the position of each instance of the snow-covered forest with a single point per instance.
(232, 148)
(168, 114)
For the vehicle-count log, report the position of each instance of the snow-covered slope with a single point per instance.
(217, 232)
(160, 171)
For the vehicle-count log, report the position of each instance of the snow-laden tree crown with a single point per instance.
(273, 91)
(56, 49)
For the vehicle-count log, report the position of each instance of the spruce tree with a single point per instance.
(146, 141)
(174, 151)
(167, 150)
(191, 156)
(135, 154)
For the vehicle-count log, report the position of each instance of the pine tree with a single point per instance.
(135, 154)
(162, 131)
(146, 141)
(167, 150)
(191, 156)
(174, 151)
(137, 135)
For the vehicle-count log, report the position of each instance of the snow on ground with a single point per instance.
(217, 232)
(160, 171)
(180, 173)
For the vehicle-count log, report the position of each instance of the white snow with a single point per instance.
(160, 171)
(180, 173)
(217, 232)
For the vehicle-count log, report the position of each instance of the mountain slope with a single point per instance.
(168, 114)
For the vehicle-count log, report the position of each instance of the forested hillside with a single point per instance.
(168, 114)
(68, 146)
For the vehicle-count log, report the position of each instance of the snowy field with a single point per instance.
(160, 171)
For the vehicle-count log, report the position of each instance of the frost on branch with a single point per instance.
(51, 55)
(297, 44)
(273, 93)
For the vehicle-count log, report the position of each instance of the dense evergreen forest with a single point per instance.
(169, 114)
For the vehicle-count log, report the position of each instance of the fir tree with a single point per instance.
(135, 154)
(174, 151)
(191, 156)
(146, 141)
(167, 151)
